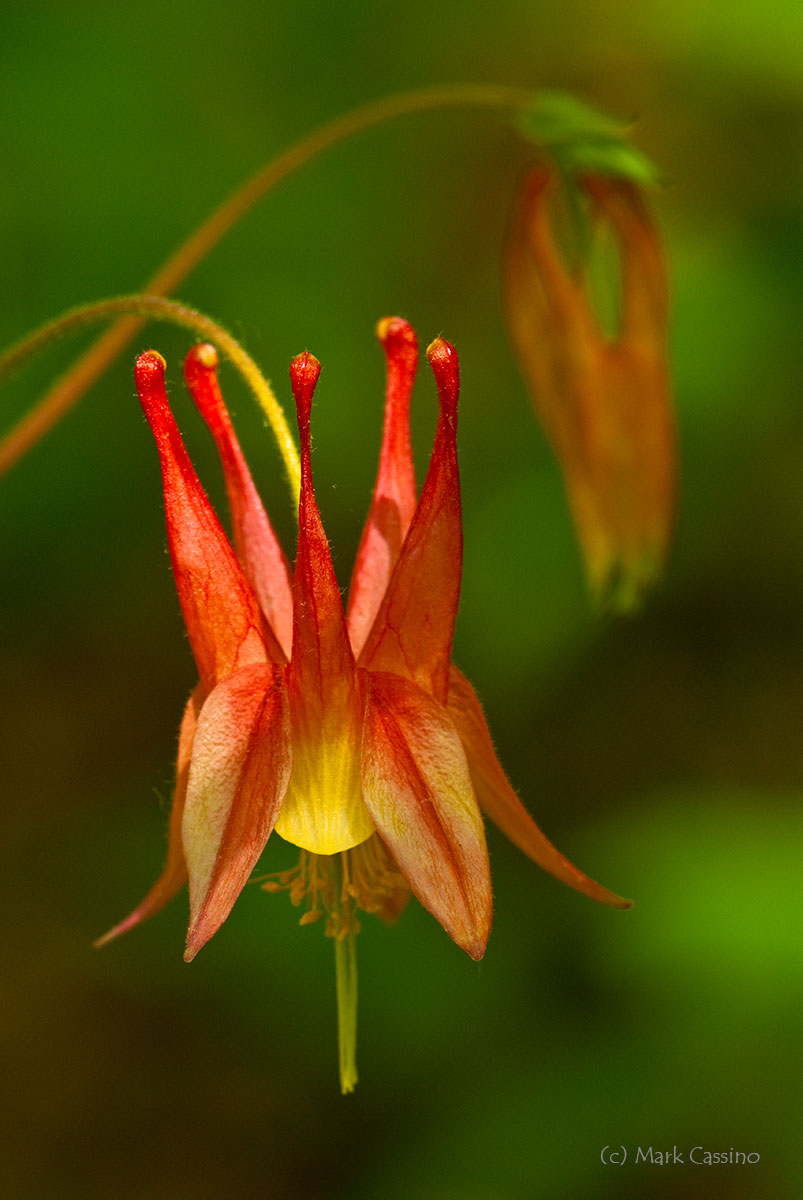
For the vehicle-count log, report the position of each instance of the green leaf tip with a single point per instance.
(579, 137)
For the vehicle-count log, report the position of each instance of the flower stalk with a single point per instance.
(346, 983)
(68, 390)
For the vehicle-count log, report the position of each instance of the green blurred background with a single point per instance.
(661, 753)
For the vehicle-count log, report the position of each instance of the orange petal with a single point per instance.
(240, 767)
(537, 277)
(417, 789)
(174, 875)
(323, 811)
(394, 495)
(413, 630)
(224, 622)
(264, 562)
(499, 801)
(553, 331)
(636, 465)
(645, 287)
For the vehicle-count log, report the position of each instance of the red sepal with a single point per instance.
(224, 622)
(498, 800)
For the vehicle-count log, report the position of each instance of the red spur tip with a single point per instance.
(400, 345)
(442, 358)
(396, 334)
(149, 368)
(200, 374)
(149, 376)
(304, 372)
(203, 356)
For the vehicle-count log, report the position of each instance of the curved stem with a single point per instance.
(158, 308)
(67, 390)
(377, 112)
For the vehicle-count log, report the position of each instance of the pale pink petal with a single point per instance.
(417, 789)
(224, 622)
(240, 768)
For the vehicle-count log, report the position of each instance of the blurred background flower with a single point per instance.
(601, 393)
(664, 751)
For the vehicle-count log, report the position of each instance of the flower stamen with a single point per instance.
(376, 884)
(325, 882)
(314, 879)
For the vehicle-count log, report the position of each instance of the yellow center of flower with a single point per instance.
(323, 811)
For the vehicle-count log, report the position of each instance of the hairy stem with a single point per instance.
(158, 308)
(69, 389)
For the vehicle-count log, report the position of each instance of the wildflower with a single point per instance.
(350, 734)
(604, 402)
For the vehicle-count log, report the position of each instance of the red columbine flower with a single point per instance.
(604, 402)
(351, 735)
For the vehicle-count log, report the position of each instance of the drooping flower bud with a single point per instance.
(603, 400)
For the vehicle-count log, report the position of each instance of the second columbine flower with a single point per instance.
(603, 398)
